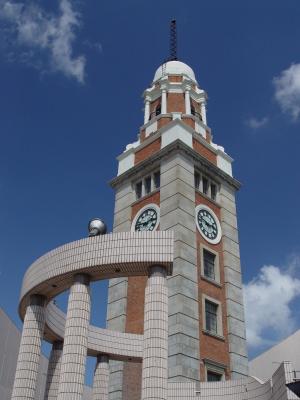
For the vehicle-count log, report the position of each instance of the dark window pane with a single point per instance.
(211, 316)
(138, 190)
(158, 110)
(148, 184)
(213, 190)
(193, 112)
(205, 185)
(213, 376)
(156, 177)
(197, 180)
(209, 264)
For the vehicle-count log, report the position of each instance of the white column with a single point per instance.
(147, 110)
(164, 101)
(101, 376)
(71, 384)
(155, 354)
(30, 350)
(53, 373)
(187, 100)
(203, 112)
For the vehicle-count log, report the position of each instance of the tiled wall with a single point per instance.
(240, 389)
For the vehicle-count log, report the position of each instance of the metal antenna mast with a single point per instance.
(173, 46)
(173, 41)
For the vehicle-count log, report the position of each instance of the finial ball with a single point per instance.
(97, 227)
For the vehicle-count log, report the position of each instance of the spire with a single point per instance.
(173, 41)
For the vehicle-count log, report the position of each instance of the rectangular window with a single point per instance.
(197, 180)
(213, 376)
(147, 184)
(205, 185)
(213, 191)
(211, 316)
(156, 179)
(209, 264)
(138, 190)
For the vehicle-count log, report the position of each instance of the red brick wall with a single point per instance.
(142, 135)
(211, 347)
(175, 102)
(204, 151)
(189, 121)
(147, 151)
(163, 121)
(152, 198)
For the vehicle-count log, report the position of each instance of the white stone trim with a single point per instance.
(203, 112)
(126, 162)
(175, 132)
(176, 115)
(164, 101)
(187, 100)
(224, 162)
(199, 129)
(152, 127)
(219, 236)
(150, 205)
(147, 109)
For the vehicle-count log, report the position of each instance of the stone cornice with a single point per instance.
(154, 92)
(175, 147)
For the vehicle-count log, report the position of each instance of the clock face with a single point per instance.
(208, 224)
(147, 219)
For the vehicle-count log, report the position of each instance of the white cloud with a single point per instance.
(287, 90)
(35, 29)
(256, 123)
(95, 46)
(268, 299)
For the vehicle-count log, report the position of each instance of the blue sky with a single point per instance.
(71, 78)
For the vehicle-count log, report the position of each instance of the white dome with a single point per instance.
(174, 68)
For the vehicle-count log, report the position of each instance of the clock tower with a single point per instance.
(174, 177)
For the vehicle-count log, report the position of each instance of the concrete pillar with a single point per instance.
(147, 110)
(187, 100)
(30, 350)
(71, 384)
(164, 101)
(117, 290)
(101, 377)
(53, 373)
(155, 355)
(203, 112)
(177, 186)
